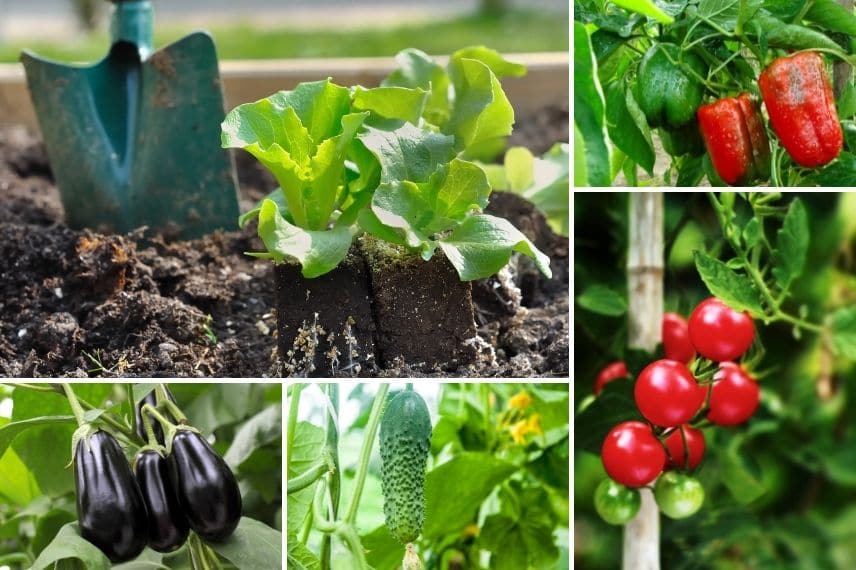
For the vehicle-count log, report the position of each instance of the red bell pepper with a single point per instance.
(736, 139)
(798, 95)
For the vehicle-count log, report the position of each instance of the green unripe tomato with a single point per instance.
(678, 495)
(615, 503)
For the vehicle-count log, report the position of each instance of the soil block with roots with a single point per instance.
(380, 305)
(324, 325)
(423, 311)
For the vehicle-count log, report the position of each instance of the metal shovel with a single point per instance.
(134, 140)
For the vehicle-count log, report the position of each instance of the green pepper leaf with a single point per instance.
(589, 116)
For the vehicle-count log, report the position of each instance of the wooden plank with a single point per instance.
(250, 80)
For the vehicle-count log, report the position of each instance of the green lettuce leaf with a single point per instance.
(317, 251)
(483, 244)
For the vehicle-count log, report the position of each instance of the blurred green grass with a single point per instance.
(515, 31)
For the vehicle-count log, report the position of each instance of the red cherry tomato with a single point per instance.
(734, 396)
(676, 338)
(632, 455)
(718, 332)
(610, 372)
(667, 394)
(694, 444)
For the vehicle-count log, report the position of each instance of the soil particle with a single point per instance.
(79, 303)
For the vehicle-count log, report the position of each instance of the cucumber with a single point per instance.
(405, 438)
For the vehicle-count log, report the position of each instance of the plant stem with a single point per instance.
(152, 411)
(198, 559)
(484, 390)
(110, 420)
(322, 523)
(365, 452)
(293, 407)
(349, 536)
(33, 387)
(173, 409)
(332, 426)
(76, 408)
(308, 477)
(150, 430)
(129, 395)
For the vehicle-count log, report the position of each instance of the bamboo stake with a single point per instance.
(645, 316)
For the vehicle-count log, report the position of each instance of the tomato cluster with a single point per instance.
(674, 403)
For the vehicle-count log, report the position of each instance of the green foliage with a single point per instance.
(668, 58)
(394, 161)
(544, 181)
(518, 31)
(37, 510)
(589, 114)
(496, 483)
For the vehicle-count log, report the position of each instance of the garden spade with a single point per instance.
(134, 140)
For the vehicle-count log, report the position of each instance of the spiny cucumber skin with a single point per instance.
(405, 439)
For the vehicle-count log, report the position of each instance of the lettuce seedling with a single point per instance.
(428, 197)
(392, 161)
(467, 100)
(303, 137)
(544, 181)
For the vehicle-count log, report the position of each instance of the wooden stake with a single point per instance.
(645, 316)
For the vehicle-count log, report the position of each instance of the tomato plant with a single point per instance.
(718, 332)
(678, 496)
(667, 394)
(691, 93)
(772, 282)
(632, 455)
(615, 503)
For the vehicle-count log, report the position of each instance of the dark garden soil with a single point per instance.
(79, 303)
